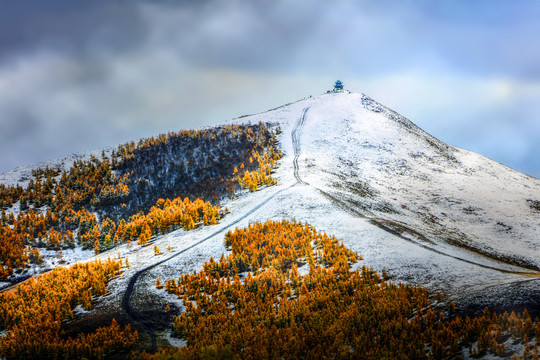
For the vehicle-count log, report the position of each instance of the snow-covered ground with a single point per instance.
(407, 203)
(388, 168)
(51, 259)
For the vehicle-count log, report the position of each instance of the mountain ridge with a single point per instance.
(361, 183)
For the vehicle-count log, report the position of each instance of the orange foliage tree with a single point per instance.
(33, 314)
(286, 291)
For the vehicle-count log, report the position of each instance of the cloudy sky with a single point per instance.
(80, 75)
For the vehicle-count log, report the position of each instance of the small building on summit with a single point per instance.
(338, 86)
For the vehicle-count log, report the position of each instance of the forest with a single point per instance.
(34, 312)
(256, 303)
(61, 209)
(142, 189)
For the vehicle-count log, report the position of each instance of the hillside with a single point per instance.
(129, 193)
(415, 209)
(385, 167)
(362, 168)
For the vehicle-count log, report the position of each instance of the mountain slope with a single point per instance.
(92, 203)
(386, 167)
(426, 212)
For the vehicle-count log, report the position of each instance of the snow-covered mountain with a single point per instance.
(426, 212)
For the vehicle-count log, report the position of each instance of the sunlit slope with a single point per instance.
(388, 168)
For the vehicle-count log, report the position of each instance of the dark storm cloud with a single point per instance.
(481, 35)
(67, 25)
(211, 33)
(484, 36)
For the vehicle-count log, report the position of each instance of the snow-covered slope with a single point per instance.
(374, 163)
(388, 168)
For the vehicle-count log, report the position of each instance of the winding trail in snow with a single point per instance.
(136, 316)
(382, 223)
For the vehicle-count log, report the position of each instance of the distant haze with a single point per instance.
(80, 75)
